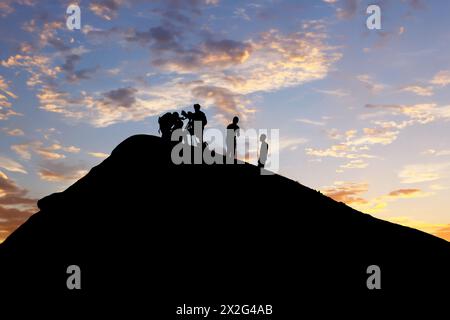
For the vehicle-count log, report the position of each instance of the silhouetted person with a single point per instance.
(165, 126)
(264, 150)
(177, 124)
(232, 133)
(197, 116)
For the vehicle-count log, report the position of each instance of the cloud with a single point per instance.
(122, 97)
(351, 193)
(418, 173)
(311, 122)
(106, 9)
(5, 89)
(11, 165)
(60, 172)
(281, 60)
(225, 100)
(418, 113)
(407, 194)
(14, 132)
(195, 64)
(5, 100)
(354, 144)
(11, 194)
(337, 93)
(160, 38)
(419, 90)
(437, 153)
(11, 219)
(71, 149)
(241, 13)
(383, 136)
(15, 206)
(51, 152)
(416, 4)
(351, 145)
(52, 99)
(73, 75)
(6, 114)
(208, 55)
(182, 13)
(347, 10)
(222, 72)
(441, 79)
(6, 6)
(347, 192)
(38, 66)
(98, 154)
(291, 143)
(355, 164)
(22, 150)
(341, 150)
(370, 83)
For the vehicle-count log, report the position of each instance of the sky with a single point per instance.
(363, 115)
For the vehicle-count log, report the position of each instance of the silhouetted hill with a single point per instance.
(147, 231)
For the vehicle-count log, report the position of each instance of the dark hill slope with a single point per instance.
(143, 229)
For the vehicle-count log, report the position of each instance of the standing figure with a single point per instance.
(199, 116)
(196, 123)
(264, 150)
(232, 133)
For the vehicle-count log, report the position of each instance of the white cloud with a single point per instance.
(437, 153)
(442, 78)
(312, 122)
(291, 143)
(337, 92)
(418, 173)
(425, 91)
(98, 154)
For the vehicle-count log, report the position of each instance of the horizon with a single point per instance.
(362, 114)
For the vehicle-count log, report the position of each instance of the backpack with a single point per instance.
(165, 122)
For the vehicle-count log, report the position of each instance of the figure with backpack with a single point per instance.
(165, 126)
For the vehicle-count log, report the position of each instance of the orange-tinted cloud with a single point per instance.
(11, 165)
(347, 192)
(50, 152)
(60, 172)
(107, 9)
(15, 206)
(352, 193)
(14, 132)
(407, 193)
(7, 6)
